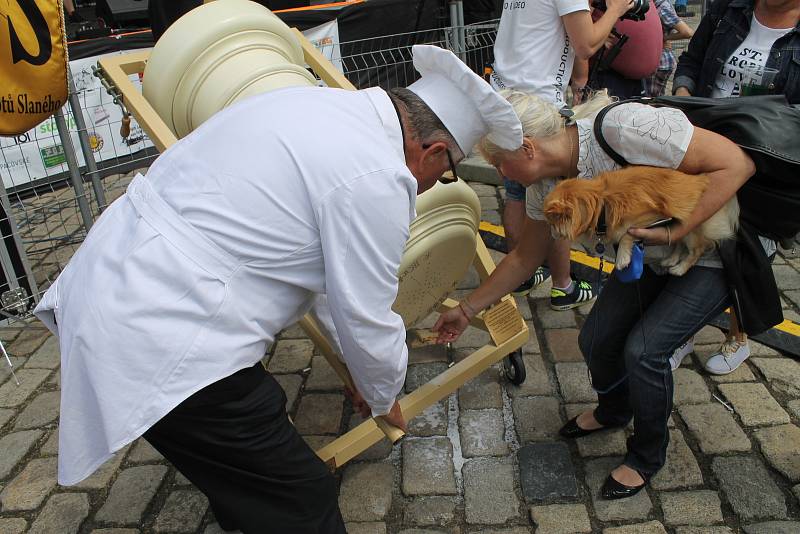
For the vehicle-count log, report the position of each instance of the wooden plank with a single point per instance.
(116, 69)
(321, 66)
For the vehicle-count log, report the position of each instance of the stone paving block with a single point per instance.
(12, 395)
(30, 488)
(560, 519)
(482, 433)
(709, 335)
(317, 442)
(142, 452)
(47, 357)
(551, 318)
(366, 492)
(700, 507)
(294, 332)
(50, 447)
(703, 530)
(754, 404)
(470, 280)
(482, 392)
(488, 203)
(183, 511)
(651, 527)
(366, 528)
(426, 511)
(563, 344)
(773, 527)
(63, 513)
(291, 356)
(5, 416)
(30, 339)
(100, 478)
(428, 467)
(130, 495)
(689, 387)
(115, 531)
(181, 480)
(319, 414)
(782, 374)
(794, 296)
(781, 447)
(748, 488)
(536, 418)
(379, 451)
(714, 428)
(431, 422)
(574, 382)
(786, 277)
(546, 472)
(489, 497)
(323, 377)
(42, 411)
(472, 338)
(524, 308)
(532, 345)
(636, 507)
(422, 373)
(428, 354)
(13, 525)
(15, 446)
(741, 374)
(514, 530)
(681, 469)
(291, 387)
(796, 491)
(537, 380)
(423, 530)
(5, 370)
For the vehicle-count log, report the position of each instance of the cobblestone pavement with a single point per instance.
(487, 459)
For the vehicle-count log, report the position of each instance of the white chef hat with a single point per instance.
(465, 103)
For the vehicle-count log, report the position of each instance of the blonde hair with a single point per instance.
(540, 118)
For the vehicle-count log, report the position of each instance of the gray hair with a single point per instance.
(421, 121)
(540, 118)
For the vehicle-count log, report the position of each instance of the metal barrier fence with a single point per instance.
(43, 220)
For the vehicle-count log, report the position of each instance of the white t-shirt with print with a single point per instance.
(747, 62)
(643, 135)
(532, 51)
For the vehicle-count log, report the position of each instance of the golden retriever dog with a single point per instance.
(637, 196)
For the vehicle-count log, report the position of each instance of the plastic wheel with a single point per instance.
(514, 367)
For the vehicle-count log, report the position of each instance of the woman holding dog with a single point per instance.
(633, 329)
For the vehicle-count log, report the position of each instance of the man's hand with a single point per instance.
(359, 404)
(395, 417)
(618, 7)
(662, 235)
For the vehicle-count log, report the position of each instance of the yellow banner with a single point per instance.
(33, 63)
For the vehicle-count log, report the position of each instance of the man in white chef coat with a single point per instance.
(166, 310)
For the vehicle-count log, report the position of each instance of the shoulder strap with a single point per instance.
(598, 134)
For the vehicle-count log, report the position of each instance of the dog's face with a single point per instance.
(572, 208)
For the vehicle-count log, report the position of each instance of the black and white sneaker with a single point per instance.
(582, 293)
(541, 274)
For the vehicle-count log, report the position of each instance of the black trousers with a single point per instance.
(234, 441)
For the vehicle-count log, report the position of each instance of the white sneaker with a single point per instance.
(680, 353)
(728, 358)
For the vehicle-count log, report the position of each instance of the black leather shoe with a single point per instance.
(571, 430)
(617, 490)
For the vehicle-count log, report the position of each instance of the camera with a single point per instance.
(637, 12)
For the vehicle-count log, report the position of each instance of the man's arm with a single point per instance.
(586, 36)
(691, 60)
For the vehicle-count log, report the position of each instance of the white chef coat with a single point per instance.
(188, 276)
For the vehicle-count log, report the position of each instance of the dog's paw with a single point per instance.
(679, 269)
(623, 260)
(670, 261)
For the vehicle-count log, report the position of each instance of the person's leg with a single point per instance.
(566, 292)
(513, 221)
(602, 340)
(234, 441)
(684, 305)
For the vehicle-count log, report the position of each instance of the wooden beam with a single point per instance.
(320, 64)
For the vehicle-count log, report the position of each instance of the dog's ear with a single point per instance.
(558, 212)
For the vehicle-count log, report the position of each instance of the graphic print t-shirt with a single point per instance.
(747, 62)
(532, 51)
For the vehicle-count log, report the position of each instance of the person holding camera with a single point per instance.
(535, 50)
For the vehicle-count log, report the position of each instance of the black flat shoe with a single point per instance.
(571, 430)
(617, 490)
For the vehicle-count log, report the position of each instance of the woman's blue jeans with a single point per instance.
(627, 340)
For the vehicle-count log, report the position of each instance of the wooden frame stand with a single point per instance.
(115, 71)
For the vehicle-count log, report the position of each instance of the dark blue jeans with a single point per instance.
(627, 340)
